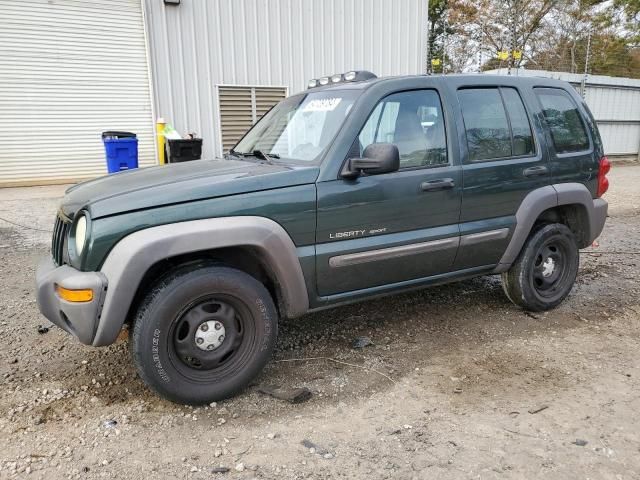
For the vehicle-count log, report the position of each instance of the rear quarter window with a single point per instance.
(563, 118)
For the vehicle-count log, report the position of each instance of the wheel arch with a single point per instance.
(135, 260)
(574, 216)
(569, 203)
(247, 259)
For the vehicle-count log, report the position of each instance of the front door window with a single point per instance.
(412, 121)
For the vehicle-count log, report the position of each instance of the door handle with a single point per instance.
(440, 184)
(535, 171)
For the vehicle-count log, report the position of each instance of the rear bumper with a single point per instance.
(598, 218)
(79, 319)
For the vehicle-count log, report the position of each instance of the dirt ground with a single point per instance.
(451, 387)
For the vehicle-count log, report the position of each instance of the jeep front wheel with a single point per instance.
(203, 334)
(544, 273)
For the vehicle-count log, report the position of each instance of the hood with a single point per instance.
(178, 183)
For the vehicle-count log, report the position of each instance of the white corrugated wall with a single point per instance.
(200, 44)
(70, 69)
(617, 112)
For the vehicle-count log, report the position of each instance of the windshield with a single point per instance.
(300, 127)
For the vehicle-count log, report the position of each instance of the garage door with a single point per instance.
(69, 70)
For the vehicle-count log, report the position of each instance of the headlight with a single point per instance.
(80, 234)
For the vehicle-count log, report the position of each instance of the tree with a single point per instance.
(578, 25)
(566, 37)
(462, 45)
(613, 56)
(507, 25)
(550, 34)
(631, 11)
(438, 25)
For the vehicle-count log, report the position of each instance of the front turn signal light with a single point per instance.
(75, 296)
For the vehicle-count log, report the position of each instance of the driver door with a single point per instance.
(379, 230)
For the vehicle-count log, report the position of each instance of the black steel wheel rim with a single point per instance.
(551, 268)
(229, 356)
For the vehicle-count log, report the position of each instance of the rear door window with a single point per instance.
(496, 124)
(564, 120)
(486, 125)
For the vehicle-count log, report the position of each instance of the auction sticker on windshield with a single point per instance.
(322, 105)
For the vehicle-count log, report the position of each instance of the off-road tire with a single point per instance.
(532, 282)
(182, 298)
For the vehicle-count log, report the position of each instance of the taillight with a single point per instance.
(603, 181)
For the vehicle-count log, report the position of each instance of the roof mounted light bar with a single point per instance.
(352, 76)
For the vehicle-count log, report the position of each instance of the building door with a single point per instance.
(70, 70)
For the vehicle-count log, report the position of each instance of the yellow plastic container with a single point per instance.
(160, 123)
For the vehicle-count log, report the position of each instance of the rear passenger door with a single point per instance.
(503, 160)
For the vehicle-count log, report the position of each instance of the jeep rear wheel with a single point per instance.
(202, 334)
(544, 273)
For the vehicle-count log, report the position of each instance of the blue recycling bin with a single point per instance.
(121, 149)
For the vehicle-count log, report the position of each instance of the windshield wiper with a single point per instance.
(238, 154)
(265, 156)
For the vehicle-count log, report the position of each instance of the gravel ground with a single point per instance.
(458, 383)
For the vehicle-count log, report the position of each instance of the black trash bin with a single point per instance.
(184, 149)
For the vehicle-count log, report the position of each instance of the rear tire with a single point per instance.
(202, 334)
(544, 273)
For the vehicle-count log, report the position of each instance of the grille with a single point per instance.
(60, 231)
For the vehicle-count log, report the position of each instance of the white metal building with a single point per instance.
(211, 60)
(70, 69)
(615, 104)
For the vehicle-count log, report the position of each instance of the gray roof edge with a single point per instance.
(570, 77)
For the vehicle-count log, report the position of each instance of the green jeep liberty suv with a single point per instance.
(358, 187)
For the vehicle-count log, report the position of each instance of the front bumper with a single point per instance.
(79, 319)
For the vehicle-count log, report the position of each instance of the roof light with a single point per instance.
(350, 76)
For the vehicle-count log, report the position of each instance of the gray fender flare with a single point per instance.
(596, 208)
(545, 198)
(132, 256)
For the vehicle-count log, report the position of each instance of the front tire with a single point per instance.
(544, 273)
(202, 334)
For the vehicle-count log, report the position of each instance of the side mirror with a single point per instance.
(377, 158)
